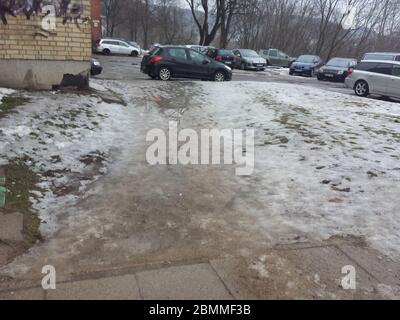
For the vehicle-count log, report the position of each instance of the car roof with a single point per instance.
(383, 61)
(309, 55)
(338, 58)
(393, 53)
(117, 39)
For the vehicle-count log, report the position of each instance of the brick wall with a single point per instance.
(96, 19)
(19, 39)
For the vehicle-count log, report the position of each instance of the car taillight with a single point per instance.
(155, 59)
(350, 71)
(218, 58)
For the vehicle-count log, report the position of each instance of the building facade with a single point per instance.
(47, 46)
(96, 20)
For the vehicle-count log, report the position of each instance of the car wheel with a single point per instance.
(320, 78)
(165, 74)
(134, 54)
(219, 76)
(106, 52)
(361, 88)
(242, 66)
(268, 63)
(312, 73)
(290, 73)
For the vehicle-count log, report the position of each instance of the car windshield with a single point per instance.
(226, 52)
(378, 56)
(338, 63)
(132, 43)
(248, 53)
(307, 59)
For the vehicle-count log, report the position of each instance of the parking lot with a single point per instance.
(128, 69)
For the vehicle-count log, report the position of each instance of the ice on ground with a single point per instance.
(326, 163)
(67, 139)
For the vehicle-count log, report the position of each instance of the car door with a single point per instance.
(110, 46)
(124, 48)
(381, 78)
(283, 59)
(200, 65)
(179, 61)
(394, 87)
(238, 58)
(273, 57)
(115, 47)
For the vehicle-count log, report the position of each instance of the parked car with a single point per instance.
(247, 59)
(382, 56)
(381, 77)
(276, 57)
(117, 46)
(225, 56)
(95, 67)
(306, 65)
(166, 62)
(337, 69)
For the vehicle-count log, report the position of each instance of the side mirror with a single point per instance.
(205, 61)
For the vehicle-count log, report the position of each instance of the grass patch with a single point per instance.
(20, 180)
(8, 104)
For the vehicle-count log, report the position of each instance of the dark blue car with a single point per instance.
(306, 65)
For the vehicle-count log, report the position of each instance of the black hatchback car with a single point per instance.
(166, 62)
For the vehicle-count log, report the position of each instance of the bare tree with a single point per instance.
(112, 12)
(207, 17)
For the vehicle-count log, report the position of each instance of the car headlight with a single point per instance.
(229, 68)
(340, 72)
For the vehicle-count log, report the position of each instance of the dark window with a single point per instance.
(223, 52)
(383, 68)
(196, 56)
(398, 58)
(396, 70)
(366, 66)
(273, 53)
(178, 53)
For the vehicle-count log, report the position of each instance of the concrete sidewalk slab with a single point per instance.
(385, 270)
(191, 282)
(26, 294)
(308, 273)
(113, 288)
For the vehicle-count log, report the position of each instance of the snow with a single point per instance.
(54, 131)
(306, 135)
(5, 92)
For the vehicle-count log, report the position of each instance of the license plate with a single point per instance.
(329, 75)
(228, 62)
(299, 70)
(259, 65)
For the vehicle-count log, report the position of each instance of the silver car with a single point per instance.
(380, 77)
(117, 46)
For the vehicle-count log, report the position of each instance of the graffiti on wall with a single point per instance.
(69, 10)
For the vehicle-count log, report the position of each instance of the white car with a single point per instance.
(380, 77)
(117, 46)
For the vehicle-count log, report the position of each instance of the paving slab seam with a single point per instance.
(223, 282)
(357, 263)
